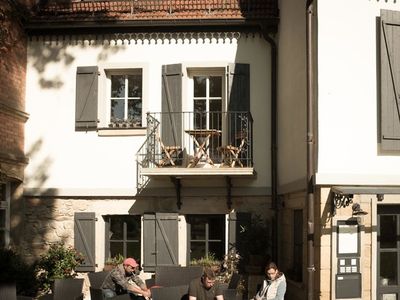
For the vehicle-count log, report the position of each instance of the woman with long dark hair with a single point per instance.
(274, 285)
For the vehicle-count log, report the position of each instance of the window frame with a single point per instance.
(104, 90)
(125, 241)
(206, 240)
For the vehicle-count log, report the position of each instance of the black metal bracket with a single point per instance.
(229, 192)
(177, 183)
(340, 200)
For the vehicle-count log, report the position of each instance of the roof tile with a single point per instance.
(157, 10)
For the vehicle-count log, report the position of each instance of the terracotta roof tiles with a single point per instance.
(157, 10)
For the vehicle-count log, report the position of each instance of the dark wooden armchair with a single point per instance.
(66, 289)
(96, 280)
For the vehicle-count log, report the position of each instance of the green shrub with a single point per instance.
(15, 269)
(59, 262)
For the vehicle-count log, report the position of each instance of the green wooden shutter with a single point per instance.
(161, 247)
(390, 80)
(171, 106)
(86, 98)
(84, 239)
(238, 223)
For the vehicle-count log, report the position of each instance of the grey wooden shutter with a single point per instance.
(390, 80)
(238, 223)
(149, 242)
(86, 98)
(171, 106)
(161, 245)
(84, 239)
(239, 87)
(238, 98)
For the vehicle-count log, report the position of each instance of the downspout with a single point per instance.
(274, 126)
(311, 96)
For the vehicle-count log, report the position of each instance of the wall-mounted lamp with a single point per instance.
(357, 210)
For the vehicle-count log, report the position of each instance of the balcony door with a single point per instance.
(208, 105)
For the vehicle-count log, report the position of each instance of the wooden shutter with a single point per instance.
(86, 98)
(390, 80)
(161, 245)
(238, 98)
(149, 242)
(239, 87)
(84, 239)
(171, 119)
(238, 223)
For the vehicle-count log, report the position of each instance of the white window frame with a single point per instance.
(125, 73)
(104, 104)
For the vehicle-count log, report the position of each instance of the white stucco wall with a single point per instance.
(84, 162)
(348, 151)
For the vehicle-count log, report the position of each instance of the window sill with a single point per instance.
(140, 131)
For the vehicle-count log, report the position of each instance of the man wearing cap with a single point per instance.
(123, 279)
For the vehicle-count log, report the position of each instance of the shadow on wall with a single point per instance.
(32, 225)
(49, 55)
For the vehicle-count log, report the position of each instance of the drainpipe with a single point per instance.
(311, 96)
(274, 126)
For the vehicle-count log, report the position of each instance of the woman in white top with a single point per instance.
(274, 286)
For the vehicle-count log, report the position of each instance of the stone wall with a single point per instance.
(48, 221)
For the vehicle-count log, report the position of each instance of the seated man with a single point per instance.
(205, 287)
(123, 279)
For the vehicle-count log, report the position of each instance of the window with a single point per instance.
(123, 236)
(125, 98)
(208, 105)
(206, 234)
(298, 245)
(109, 97)
(4, 218)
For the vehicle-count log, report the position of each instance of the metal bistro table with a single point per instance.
(205, 135)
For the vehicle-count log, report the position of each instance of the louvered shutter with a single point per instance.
(161, 245)
(86, 98)
(390, 80)
(171, 106)
(84, 239)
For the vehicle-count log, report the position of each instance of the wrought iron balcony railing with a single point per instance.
(211, 139)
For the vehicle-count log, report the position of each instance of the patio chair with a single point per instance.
(66, 289)
(176, 275)
(96, 280)
(170, 154)
(170, 293)
(8, 291)
(230, 154)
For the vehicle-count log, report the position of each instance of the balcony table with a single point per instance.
(201, 151)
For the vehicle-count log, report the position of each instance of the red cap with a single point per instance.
(130, 262)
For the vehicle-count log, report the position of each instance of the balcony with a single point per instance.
(207, 143)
